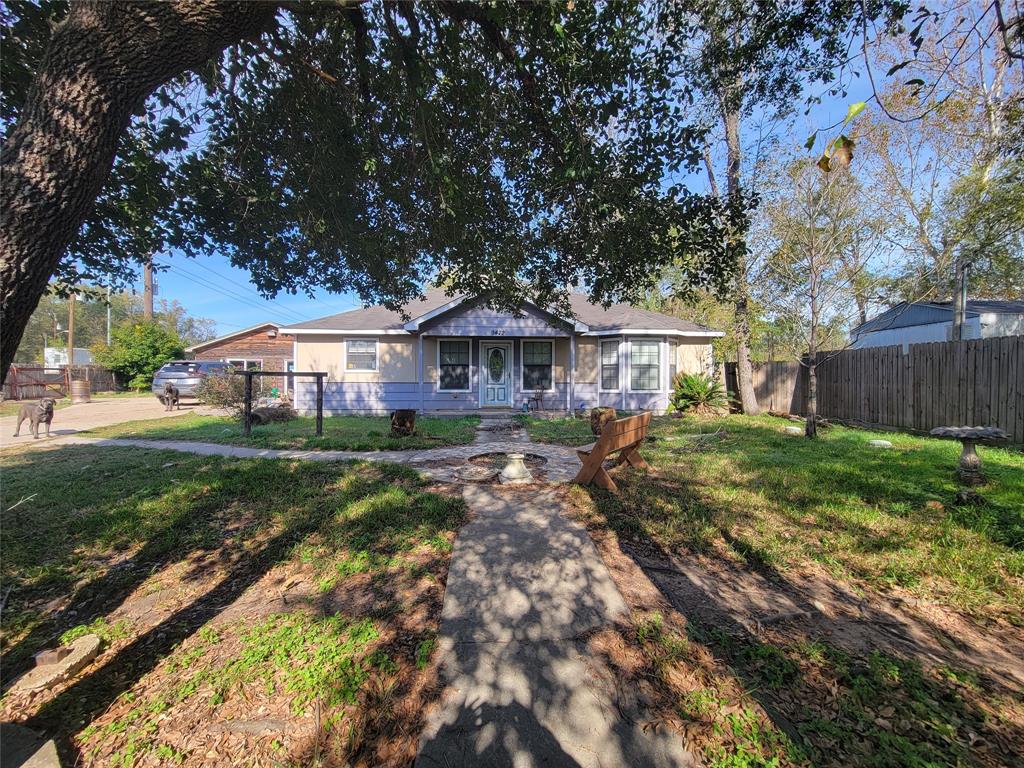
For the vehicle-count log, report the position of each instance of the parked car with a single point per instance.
(185, 375)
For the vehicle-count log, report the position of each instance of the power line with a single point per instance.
(247, 300)
(323, 304)
(219, 276)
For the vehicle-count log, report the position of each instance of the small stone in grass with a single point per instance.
(83, 651)
(879, 443)
(793, 430)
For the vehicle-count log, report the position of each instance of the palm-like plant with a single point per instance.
(697, 393)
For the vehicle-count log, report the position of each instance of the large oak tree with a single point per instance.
(510, 148)
(368, 146)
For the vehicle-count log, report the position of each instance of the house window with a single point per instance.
(673, 362)
(453, 366)
(610, 365)
(360, 355)
(246, 365)
(644, 365)
(537, 363)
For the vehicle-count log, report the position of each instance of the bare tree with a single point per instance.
(814, 226)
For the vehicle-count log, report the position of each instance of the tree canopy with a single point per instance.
(510, 148)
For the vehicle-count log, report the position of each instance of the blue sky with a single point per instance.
(212, 287)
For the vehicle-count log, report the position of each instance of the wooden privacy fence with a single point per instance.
(31, 382)
(979, 382)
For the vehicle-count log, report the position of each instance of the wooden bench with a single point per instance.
(622, 436)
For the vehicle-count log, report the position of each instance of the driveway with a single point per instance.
(98, 413)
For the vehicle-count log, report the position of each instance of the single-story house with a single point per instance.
(261, 347)
(923, 321)
(457, 354)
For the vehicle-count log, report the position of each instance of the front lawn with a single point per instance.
(559, 431)
(823, 603)
(341, 433)
(884, 518)
(285, 611)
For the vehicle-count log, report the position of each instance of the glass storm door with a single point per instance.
(497, 374)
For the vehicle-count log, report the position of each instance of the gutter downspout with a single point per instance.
(419, 367)
(571, 393)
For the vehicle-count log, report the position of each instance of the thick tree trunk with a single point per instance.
(744, 370)
(103, 61)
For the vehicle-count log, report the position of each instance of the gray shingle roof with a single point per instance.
(617, 316)
(376, 318)
(905, 315)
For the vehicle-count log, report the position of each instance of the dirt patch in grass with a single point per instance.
(285, 611)
(750, 668)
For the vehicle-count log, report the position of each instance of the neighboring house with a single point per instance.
(55, 357)
(261, 347)
(923, 321)
(457, 354)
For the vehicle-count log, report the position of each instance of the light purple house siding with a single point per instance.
(381, 397)
(484, 322)
(401, 342)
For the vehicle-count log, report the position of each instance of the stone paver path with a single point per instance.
(562, 464)
(524, 584)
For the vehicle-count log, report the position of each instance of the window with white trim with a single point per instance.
(245, 365)
(453, 366)
(610, 365)
(645, 365)
(538, 360)
(361, 355)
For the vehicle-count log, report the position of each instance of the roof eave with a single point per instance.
(204, 344)
(701, 334)
(344, 331)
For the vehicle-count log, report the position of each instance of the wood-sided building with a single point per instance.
(261, 347)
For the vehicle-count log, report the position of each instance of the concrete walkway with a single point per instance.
(524, 584)
(562, 464)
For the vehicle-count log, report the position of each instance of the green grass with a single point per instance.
(342, 433)
(560, 431)
(876, 710)
(101, 527)
(887, 518)
(753, 701)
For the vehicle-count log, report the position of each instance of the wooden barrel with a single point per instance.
(80, 392)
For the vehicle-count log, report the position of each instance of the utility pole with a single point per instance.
(108, 315)
(71, 330)
(960, 298)
(147, 290)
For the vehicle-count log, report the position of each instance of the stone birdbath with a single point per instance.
(969, 470)
(516, 472)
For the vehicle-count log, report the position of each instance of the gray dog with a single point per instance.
(171, 397)
(36, 413)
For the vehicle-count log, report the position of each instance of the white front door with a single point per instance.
(496, 374)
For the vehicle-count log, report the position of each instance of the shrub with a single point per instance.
(697, 393)
(224, 391)
(137, 351)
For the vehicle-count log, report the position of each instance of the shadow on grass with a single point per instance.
(165, 509)
(835, 702)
